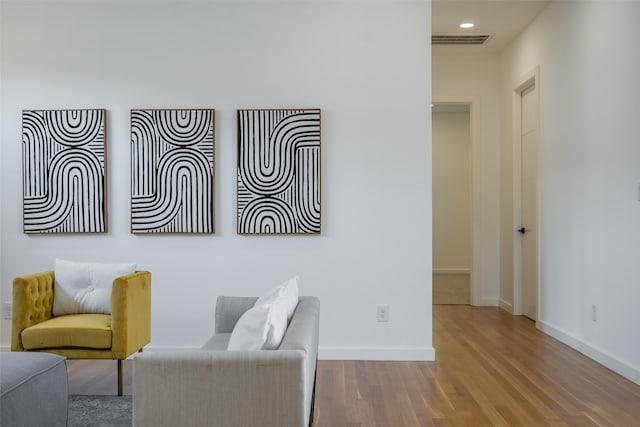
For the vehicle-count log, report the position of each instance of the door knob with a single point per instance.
(522, 230)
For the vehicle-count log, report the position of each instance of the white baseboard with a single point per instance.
(621, 367)
(487, 302)
(422, 354)
(505, 305)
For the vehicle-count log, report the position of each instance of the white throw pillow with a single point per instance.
(259, 328)
(277, 326)
(286, 292)
(85, 287)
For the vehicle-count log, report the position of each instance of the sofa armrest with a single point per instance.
(303, 334)
(32, 304)
(130, 313)
(219, 388)
(229, 310)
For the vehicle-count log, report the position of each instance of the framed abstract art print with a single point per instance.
(64, 171)
(172, 171)
(278, 171)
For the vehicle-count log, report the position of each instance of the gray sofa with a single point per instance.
(33, 389)
(221, 388)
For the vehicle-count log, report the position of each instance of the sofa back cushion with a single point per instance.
(217, 342)
(229, 310)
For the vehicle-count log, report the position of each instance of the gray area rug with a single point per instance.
(99, 411)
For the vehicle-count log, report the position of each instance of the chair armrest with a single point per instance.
(130, 313)
(229, 310)
(219, 388)
(32, 303)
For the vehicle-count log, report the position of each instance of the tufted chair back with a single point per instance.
(38, 290)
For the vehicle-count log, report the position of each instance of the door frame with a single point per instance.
(531, 78)
(474, 175)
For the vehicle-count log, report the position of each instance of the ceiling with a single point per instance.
(502, 19)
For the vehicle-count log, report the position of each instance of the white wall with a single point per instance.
(476, 78)
(589, 173)
(366, 64)
(451, 191)
(451, 156)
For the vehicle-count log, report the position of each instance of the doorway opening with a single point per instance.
(452, 203)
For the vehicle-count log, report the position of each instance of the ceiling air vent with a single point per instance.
(453, 39)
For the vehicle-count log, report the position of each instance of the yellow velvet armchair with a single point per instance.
(82, 336)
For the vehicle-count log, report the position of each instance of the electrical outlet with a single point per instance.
(383, 312)
(6, 309)
(594, 313)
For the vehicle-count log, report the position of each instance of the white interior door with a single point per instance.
(529, 227)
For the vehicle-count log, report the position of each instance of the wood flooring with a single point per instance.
(491, 369)
(451, 289)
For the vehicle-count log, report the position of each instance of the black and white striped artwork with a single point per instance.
(64, 164)
(172, 172)
(279, 171)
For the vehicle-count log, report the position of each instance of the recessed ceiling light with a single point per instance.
(466, 25)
